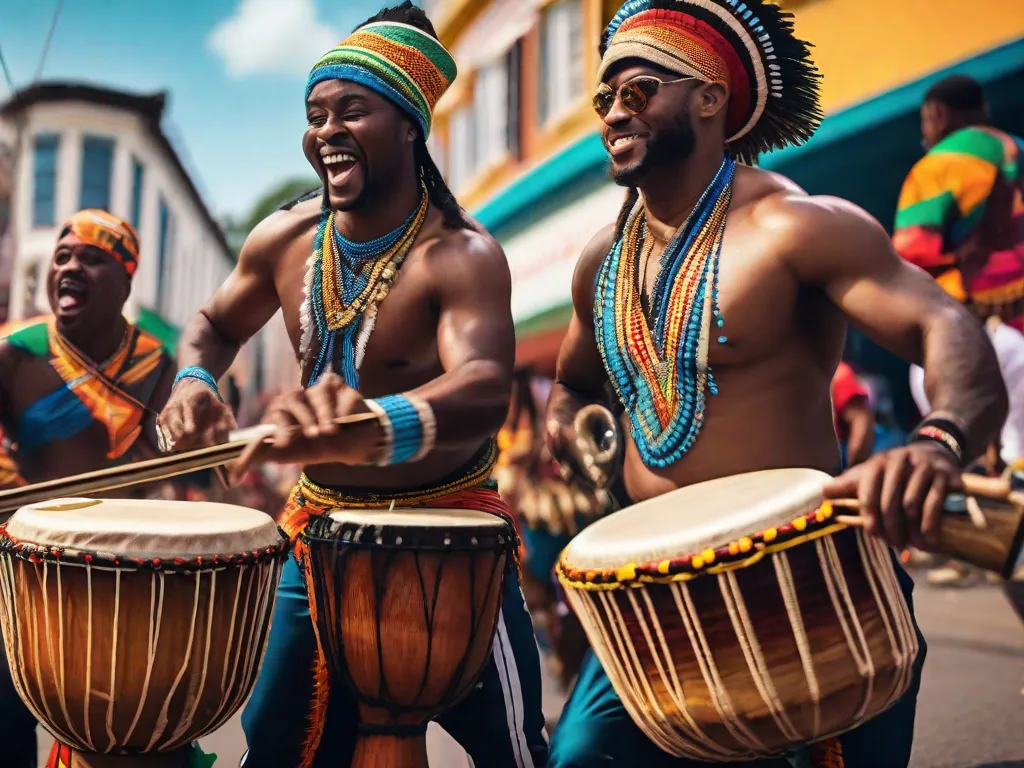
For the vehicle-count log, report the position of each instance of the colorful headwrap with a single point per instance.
(108, 233)
(398, 61)
(747, 45)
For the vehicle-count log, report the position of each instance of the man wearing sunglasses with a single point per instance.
(716, 309)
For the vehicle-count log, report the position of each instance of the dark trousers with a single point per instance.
(500, 724)
(17, 725)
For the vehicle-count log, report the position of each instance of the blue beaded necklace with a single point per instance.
(345, 283)
(659, 368)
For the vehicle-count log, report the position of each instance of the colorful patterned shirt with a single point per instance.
(967, 194)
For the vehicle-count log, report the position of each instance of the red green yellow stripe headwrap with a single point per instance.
(107, 232)
(396, 60)
(749, 46)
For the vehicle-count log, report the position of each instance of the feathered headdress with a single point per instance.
(750, 45)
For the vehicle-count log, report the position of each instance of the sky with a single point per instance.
(234, 69)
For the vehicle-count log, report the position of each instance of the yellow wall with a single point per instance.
(862, 47)
(866, 47)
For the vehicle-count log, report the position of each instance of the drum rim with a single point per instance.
(35, 552)
(324, 530)
(732, 556)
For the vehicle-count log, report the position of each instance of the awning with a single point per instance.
(152, 323)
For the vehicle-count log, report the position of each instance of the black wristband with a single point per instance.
(944, 432)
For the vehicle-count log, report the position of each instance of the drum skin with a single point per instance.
(129, 656)
(405, 621)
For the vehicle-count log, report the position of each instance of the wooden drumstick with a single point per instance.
(983, 526)
(149, 471)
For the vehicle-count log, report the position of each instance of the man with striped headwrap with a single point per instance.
(716, 308)
(79, 389)
(398, 305)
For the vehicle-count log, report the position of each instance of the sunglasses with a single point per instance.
(634, 93)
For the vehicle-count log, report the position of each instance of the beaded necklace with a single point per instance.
(659, 367)
(344, 286)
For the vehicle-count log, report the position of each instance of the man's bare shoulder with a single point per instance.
(590, 261)
(797, 225)
(268, 239)
(469, 250)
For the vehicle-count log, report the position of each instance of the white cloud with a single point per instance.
(271, 37)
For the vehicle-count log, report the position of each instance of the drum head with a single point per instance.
(418, 518)
(421, 528)
(698, 517)
(145, 529)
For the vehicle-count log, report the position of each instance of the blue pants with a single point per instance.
(500, 724)
(595, 729)
(17, 725)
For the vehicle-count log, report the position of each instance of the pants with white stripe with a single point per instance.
(500, 724)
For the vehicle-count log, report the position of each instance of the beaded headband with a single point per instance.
(750, 46)
(398, 61)
(114, 236)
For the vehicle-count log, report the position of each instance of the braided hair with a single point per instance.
(437, 190)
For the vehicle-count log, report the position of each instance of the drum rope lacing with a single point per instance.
(261, 567)
(676, 731)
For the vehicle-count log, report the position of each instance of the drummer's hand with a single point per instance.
(308, 432)
(560, 438)
(194, 417)
(901, 492)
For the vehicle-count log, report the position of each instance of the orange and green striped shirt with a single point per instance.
(970, 182)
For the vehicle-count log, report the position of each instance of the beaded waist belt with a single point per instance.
(310, 498)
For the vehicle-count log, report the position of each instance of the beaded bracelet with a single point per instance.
(409, 426)
(429, 423)
(931, 433)
(198, 373)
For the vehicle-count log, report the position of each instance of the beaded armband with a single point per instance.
(409, 426)
(199, 374)
(944, 431)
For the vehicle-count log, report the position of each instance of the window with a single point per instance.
(97, 164)
(490, 113)
(45, 180)
(138, 176)
(561, 58)
(461, 148)
(164, 246)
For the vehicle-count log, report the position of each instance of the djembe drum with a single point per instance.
(736, 619)
(405, 607)
(135, 627)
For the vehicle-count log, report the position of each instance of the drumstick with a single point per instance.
(971, 504)
(149, 471)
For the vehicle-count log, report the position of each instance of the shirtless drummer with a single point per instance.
(744, 286)
(436, 355)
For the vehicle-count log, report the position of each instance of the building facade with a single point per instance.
(82, 146)
(521, 148)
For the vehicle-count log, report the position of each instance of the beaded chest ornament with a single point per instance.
(344, 286)
(659, 367)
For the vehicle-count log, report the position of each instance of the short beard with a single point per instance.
(669, 148)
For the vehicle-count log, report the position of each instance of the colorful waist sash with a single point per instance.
(471, 487)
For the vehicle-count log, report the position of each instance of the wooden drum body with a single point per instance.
(135, 627)
(405, 606)
(736, 620)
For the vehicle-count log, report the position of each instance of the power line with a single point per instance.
(7, 72)
(49, 39)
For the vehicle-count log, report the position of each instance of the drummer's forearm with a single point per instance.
(204, 346)
(962, 377)
(469, 403)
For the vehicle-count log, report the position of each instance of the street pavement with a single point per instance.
(970, 710)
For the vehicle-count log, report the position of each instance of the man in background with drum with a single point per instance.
(717, 308)
(389, 292)
(79, 390)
